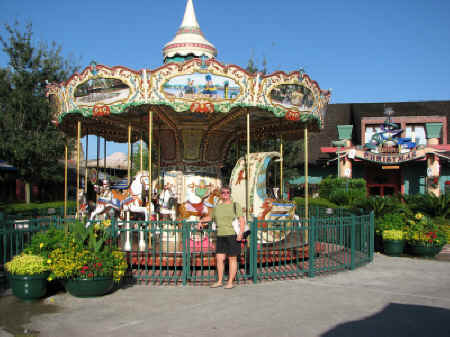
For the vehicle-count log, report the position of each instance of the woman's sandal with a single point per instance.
(216, 285)
(229, 286)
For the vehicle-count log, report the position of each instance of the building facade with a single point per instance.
(396, 147)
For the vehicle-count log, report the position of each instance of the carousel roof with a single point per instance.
(189, 39)
(199, 106)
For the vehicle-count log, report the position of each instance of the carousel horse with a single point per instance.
(167, 204)
(187, 209)
(82, 201)
(106, 204)
(130, 201)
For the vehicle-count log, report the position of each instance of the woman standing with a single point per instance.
(228, 243)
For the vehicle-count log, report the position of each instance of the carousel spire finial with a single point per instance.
(189, 40)
(189, 19)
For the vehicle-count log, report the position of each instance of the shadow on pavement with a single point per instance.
(398, 320)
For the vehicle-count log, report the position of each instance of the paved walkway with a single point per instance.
(389, 297)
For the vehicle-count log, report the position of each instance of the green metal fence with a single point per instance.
(171, 252)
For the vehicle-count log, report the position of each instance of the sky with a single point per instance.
(364, 50)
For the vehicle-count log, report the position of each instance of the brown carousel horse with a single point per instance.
(187, 209)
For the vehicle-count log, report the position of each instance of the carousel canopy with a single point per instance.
(199, 106)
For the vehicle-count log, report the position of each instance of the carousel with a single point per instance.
(189, 112)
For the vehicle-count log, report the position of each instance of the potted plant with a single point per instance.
(391, 226)
(28, 275)
(86, 263)
(393, 242)
(424, 237)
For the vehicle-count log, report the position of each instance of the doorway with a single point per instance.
(383, 182)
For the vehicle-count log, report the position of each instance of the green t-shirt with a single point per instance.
(223, 216)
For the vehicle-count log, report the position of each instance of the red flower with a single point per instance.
(83, 272)
(91, 275)
(85, 267)
(98, 265)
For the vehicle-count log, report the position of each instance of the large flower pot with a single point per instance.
(29, 288)
(393, 247)
(425, 251)
(90, 287)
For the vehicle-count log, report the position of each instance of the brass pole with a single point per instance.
(78, 166)
(129, 153)
(66, 157)
(98, 157)
(104, 156)
(306, 177)
(247, 175)
(159, 156)
(281, 167)
(85, 164)
(141, 166)
(150, 144)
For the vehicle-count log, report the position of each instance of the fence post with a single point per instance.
(352, 243)
(312, 245)
(254, 249)
(371, 235)
(186, 260)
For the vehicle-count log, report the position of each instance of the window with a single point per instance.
(370, 131)
(417, 133)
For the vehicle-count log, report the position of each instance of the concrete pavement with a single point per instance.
(389, 297)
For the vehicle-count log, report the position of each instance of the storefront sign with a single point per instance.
(394, 167)
(389, 158)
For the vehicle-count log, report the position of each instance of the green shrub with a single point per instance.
(429, 204)
(349, 197)
(330, 184)
(383, 205)
(314, 202)
(390, 221)
(43, 243)
(35, 208)
(27, 264)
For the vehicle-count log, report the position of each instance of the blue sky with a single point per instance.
(366, 51)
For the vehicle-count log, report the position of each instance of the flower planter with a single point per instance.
(424, 251)
(29, 288)
(91, 287)
(393, 247)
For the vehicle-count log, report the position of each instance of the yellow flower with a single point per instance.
(41, 245)
(49, 261)
(49, 278)
(419, 216)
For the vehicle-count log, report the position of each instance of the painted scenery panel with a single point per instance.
(101, 90)
(197, 86)
(292, 96)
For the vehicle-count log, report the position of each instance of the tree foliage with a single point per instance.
(29, 141)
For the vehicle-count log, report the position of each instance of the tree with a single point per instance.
(29, 141)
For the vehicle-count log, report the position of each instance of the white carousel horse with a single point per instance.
(130, 201)
(167, 204)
